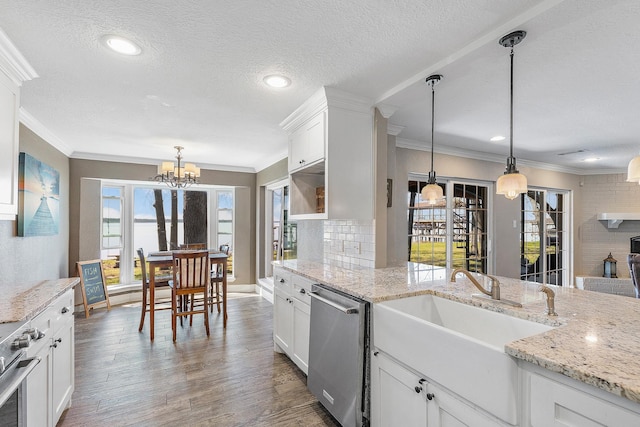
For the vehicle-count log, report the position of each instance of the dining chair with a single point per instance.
(191, 278)
(195, 246)
(160, 281)
(217, 276)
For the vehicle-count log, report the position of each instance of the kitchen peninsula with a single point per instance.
(592, 346)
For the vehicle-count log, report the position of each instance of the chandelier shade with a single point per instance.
(512, 183)
(432, 193)
(178, 175)
(633, 170)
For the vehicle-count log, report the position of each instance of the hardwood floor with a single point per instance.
(232, 378)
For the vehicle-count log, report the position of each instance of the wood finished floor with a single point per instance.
(232, 378)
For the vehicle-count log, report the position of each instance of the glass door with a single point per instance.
(281, 242)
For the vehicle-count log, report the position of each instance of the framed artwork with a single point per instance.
(38, 198)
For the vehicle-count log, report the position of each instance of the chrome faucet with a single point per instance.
(494, 290)
(551, 309)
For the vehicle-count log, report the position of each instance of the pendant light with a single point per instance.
(633, 170)
(432, 192)
(512, 183)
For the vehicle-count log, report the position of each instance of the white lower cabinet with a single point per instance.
(560, 401)
(291, 316)
(51, 384)
(398, 395)
(403, 397)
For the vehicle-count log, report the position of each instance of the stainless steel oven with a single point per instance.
(15, 367)
(338, 355)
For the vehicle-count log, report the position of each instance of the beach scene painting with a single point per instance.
(39, 198)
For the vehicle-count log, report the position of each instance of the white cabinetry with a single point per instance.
(556, 400)
(50, 385)
(402, 397)
(307, 143)
(16, 70)
(291, 316)
(331, 157)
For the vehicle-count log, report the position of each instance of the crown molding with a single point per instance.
(321, 100)
(271, 160)
(155, 162)
(394, 129)
(387, 110)
(12, 63)
(43, 132)
(413, 144)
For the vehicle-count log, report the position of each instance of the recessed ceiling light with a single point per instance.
(591, 159)
(497, 138)
(277, 81)
(121, 45)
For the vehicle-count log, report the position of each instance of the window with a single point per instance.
(112, 224)
(161, 218)
(281, 241)
(543, 237)
(453, 233)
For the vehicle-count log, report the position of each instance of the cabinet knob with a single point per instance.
(418, 389)
(302, 291)
(58, 340)
(430, 396)
(281, 280)
(65, 310)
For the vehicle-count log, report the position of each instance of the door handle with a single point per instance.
(345, 310)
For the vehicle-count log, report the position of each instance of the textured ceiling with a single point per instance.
(198, 82)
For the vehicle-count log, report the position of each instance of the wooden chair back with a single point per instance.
(191, 270)
(143, 268)
(194, 246)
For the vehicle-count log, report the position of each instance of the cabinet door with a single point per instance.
(9, 101)
(282, 319)
(301, 327)
(39, 392)
(398, 396)
(448, 410)
(555, 404)
(62, 362)
(307, 144)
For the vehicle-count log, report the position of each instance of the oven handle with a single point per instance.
(28, 366)
(346, 310)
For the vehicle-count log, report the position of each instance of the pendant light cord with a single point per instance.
(511, 110)
(433, 97)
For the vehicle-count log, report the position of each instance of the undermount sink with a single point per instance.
(457, 345)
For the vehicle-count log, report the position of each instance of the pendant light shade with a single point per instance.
(512, 183)
(633, 171)
(432, 193)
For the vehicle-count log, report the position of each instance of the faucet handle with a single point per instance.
(551, 311)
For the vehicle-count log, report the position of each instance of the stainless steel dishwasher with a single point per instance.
(338, 349)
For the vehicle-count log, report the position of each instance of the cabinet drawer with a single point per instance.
(301, 289)
(556, 404)
(282, 280)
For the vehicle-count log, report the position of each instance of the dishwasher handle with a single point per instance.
(346, 310)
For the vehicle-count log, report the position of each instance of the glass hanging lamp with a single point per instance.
(432, 193)
(512, 183)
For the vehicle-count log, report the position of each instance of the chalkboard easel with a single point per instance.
(94, 288)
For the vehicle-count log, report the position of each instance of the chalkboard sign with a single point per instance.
(94, 289)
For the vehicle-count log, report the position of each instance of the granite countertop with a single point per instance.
(29, 299)
(595, 339)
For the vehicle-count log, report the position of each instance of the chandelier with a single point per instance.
(432, 193)
(178, 175)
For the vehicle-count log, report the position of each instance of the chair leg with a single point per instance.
(206, 313)
(144, 308)
(173, 316)
(218, 296)
(192, 297)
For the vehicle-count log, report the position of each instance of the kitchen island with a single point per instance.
(594, 338)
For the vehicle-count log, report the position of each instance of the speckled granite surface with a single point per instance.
(30, 299)
(596, 339)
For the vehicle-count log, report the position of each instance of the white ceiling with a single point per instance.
(198, 82)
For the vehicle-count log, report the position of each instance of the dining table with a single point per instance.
(164, 259)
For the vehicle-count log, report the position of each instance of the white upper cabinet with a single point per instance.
(14, 70)
(331, 164)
